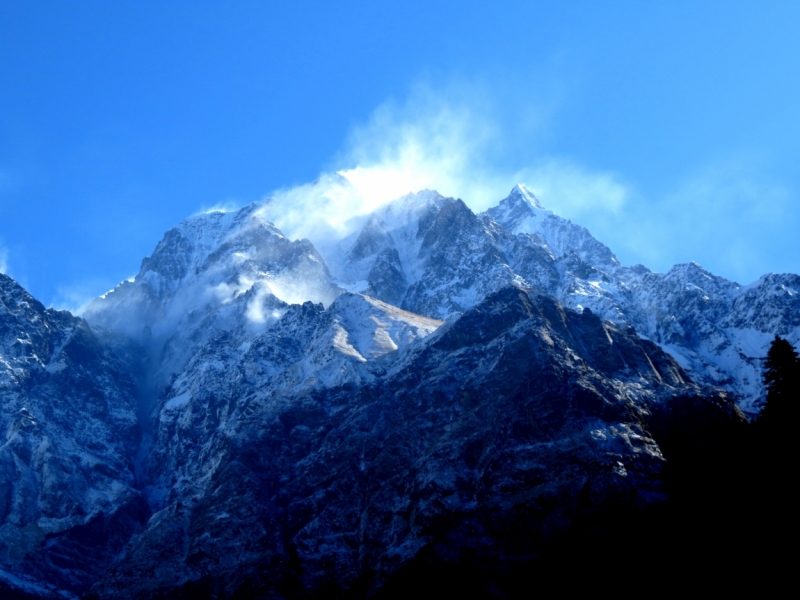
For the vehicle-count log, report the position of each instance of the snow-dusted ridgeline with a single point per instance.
(432, 255)
(433, 360)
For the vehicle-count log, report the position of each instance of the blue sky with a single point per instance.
(669, 129)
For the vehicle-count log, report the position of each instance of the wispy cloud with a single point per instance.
(426, 141)
(76, 297)
(3, 260)
(454, 139)
(730, 217)
(573, 191)
(226, 206)
(429, 141)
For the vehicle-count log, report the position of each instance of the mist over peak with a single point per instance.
(294, 380)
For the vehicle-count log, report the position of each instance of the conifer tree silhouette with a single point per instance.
(773, 464)
(781, 377)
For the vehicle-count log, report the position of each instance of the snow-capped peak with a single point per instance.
(521, 193)
(520, 211)
(188, 248)
(214, 272)
(407, 210)
(394, 226)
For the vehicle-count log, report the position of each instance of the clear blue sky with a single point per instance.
(670, 129)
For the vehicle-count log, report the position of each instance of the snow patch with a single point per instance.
(177, 401)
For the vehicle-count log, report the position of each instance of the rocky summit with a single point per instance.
(438, 396)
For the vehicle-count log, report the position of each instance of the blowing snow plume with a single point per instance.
(455, 141)
(426, 143)
(211, 262)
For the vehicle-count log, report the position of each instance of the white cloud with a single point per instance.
(730, 217)
(453, 139)
(3, 260)
(427, 142)
(328, 208)
(224, 207)
(572, 191)
(77, 296)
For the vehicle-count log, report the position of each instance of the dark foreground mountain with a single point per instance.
(441, 397)
(68, 500)
(492, 435)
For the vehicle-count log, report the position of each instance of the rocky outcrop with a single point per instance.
(68, 499)
(215, 272)
(484, 440)
(468, 393)
(451, 259)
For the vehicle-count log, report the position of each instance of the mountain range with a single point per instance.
(256, 416)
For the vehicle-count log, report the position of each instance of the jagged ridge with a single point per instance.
(296, 442)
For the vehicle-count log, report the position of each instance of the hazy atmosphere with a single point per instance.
(669, 130)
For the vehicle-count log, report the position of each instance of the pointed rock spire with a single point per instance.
(518, 208)
(520, 193)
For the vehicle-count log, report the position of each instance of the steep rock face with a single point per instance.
(485, 437)
(221, 398)
(398, 226)
(521, 213)
(460, 262)
(225, 386)
(450, 259)
(771, 304)
(428, 254)
(68, 501)
(386, 277)
(215, 272)
(298, 437)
